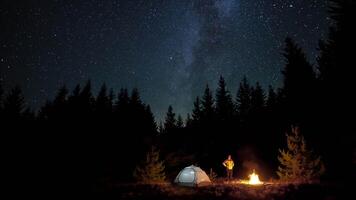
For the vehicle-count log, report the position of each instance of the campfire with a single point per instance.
(253, 179)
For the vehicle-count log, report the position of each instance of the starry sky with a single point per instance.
(169, 49)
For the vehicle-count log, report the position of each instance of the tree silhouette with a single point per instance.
(111, 99)
(180, 123)
(224, 104)
(86, 100)
(335, 65)
(122, 104)
(14, 105)
(135, 98)
(243, 99)
(170, 123)
(197, 111)
(150, 125)
(74, 103)
(208, 109)
(1, 95)
(60, 102)
(299, 82)
(257, 99)
(1, 101)
(61, 96)
(75, 93)
(136, 116)
(135, 106)
(271, 99)
(296, 67)
(297, 163)
(160, 128)
(28, 115)
(103, 104)
(188, 121)
(56, 110)
(326, 61)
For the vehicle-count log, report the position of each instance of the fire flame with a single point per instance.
(254, 179)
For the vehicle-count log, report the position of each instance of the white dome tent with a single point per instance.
(192, 176)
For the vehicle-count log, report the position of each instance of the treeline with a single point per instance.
(78, 136)
(81, 105)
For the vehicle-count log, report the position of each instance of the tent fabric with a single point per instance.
(192, 176)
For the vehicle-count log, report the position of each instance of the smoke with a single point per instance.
(249, 160)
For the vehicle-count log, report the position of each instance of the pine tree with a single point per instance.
(102, 95)
(160, 128)
(58, 108)
(224, 104)
(299, 76)
(1, 101)
(208, 109)
(180, 123)
(170, 122)
(28, 115)
(335, 58)
(151, 170)
(336, 73)
(122, 100)
(188, 121)
(298, 163)
(336, 69)
(76, 92)
(1, 94)
(14, 104)
(86, 91)
(135, 105)
(103, 102)
(111, 99)
(86, 98)
(243, 98)
(271, 99)
(74, 101)
(326, 61)
(61, 96)
(135, 98)
(258, 98)
(299, 84)
(137, 115)
(150, 124)
(196, 114)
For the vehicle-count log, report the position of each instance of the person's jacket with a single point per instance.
(229, 164)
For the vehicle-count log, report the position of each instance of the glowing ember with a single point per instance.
(254, 179)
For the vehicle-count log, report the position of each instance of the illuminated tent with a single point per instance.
(192, 176)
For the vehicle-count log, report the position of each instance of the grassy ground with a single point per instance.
(228, 191)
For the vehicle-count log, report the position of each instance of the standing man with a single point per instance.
(229, 164)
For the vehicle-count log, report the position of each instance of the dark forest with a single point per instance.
(93, 141)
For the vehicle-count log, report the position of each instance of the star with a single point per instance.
(171, 48)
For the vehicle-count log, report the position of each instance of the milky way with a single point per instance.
(169, 49)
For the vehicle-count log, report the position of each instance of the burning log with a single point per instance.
(253, 179)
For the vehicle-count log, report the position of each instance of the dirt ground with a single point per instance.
(226, 191)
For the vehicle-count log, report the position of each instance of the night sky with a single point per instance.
(169, 49)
